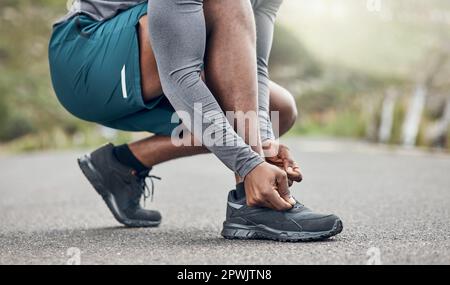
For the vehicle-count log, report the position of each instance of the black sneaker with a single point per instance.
(121, 187)
(295, 225)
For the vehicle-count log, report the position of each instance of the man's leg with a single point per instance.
(282, 101)
(154, 150)
(230, 63)
(231, 68)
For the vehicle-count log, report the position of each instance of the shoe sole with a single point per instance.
(261, 232)
(94, 177)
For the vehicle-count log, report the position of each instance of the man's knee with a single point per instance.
(289, 115)
(287, 108)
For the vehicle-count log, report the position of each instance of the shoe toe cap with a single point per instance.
(146, 215)
(320, 223)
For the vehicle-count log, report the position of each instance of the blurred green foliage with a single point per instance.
(24, 83)
(289, 53)
(337, 68)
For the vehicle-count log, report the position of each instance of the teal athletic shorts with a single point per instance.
(95, 72)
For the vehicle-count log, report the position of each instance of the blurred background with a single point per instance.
(376, 70)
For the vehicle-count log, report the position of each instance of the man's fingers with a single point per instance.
(278, 203)
(287, 163)
(294, 174)
(298, 172)
(292, 170)
(283, 188)
(273, 201)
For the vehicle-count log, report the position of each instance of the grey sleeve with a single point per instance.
(265, 15)
(178, 34)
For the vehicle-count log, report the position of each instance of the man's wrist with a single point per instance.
(250, 165)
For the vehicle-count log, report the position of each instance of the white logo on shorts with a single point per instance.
(123, 77)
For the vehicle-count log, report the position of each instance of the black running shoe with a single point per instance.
(296, 225)
(121, 187)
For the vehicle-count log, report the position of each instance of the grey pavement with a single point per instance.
(396, 201)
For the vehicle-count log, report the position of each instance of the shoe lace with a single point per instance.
(146, 191)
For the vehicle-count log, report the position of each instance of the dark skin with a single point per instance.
(229, 65)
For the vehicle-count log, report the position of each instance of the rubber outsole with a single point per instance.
(261, 232)
(96, 181)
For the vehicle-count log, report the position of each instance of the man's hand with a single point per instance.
(267, 186)
(279, 155)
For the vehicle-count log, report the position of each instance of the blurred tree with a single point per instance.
(290, 56)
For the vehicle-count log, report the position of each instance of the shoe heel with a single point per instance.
(90, 173)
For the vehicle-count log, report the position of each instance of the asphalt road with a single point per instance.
(392, 202)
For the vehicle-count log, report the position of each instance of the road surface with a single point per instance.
(394, 204)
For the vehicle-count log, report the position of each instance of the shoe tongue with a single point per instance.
(240, 191)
